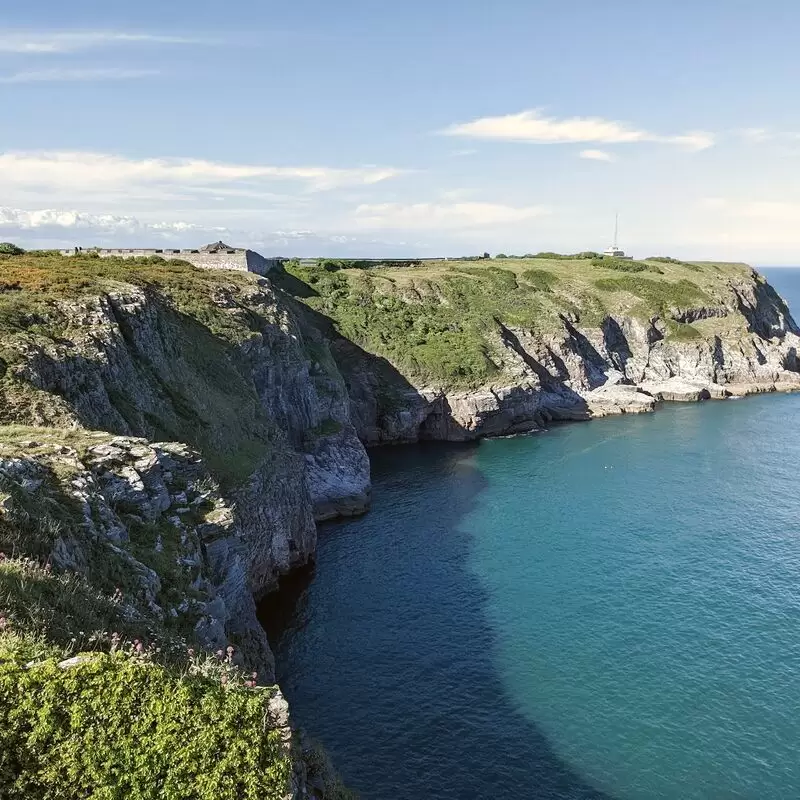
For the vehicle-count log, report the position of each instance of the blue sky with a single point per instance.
(429, 128)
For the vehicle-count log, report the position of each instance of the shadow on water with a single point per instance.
(386, 654)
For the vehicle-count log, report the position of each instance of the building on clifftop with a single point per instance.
(216, 255)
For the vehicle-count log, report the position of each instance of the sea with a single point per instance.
(605, 610)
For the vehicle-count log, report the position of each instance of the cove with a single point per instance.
(604, 610)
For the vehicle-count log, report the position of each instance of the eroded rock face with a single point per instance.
(624, 365)
(133, 366)
(156, 515)
(269, 408)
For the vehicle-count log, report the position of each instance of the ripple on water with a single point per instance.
(608, 610)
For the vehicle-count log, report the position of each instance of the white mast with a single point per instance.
(614, 251)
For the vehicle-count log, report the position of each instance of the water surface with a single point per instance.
(605, 610)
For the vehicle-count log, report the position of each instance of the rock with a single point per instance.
(76, 661)
(619, 399)
(677, 390)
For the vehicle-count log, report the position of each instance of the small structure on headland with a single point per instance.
(614, 251)
(216, 255)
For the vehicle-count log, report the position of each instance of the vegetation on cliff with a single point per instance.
(120, 726)
(139, 712)
(105, 540)
(438, 323)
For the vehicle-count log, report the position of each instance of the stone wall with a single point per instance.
(239, 259)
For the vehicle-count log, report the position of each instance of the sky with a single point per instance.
(423, 128)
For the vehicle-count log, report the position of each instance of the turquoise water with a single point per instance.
(604, 610)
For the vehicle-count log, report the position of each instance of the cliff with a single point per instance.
(455, 350)
(170, 435)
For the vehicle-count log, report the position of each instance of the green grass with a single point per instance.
(438, 322)
(656, 295)
(202, 390)
(31, 286)
(119, 727)
(626, 265)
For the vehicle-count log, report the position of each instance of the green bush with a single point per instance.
(118, 728)
(625, 265)
(564, 256)
(9, 249)
(540, 279)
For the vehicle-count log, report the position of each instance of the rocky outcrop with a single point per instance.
(151, 516)
(263, 406)
(575, 371)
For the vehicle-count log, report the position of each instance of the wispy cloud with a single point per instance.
(74, 174)
(440, 216)
(49, 42)
(109, 223)
(52, 227)
(596, 155)
(759, 135)
(62, 75)
(532, 126)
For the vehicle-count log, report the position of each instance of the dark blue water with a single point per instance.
(605, 610)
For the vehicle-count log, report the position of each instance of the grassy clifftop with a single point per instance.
(177, 376)
(437, 322)
(116, 551)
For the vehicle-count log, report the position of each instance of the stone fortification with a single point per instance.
(237, 258)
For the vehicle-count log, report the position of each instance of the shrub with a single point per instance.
(119, 727)
(625, 265)
(586, 254)
(9, 249)
(540, 279)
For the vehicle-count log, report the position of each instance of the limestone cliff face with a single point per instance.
(146, 520)
(624, 365)
(266, 409)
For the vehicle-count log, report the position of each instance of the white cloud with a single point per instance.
(59, 75)
(109, 223)
(532, 126)
(49, 42)
(697, 140)
(40, 175)
(596, 155)
(440, 216)
(51, 228)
